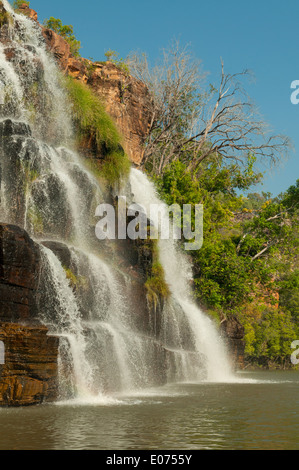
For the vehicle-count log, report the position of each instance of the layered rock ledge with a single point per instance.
(29, 373)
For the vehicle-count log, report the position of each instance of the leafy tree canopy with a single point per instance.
(66, 31)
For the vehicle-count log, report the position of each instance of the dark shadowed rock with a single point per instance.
(233, 333)
(27, 11)
(9, 128)
(29, 375)
(19, 274)
(61, 250)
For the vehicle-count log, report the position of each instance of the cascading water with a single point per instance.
(46, 188)
(178, 272)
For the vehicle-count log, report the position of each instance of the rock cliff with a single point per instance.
(29, 375)
(19, 271)
(126, 99)
(234, 332)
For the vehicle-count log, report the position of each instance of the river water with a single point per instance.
(259, 411)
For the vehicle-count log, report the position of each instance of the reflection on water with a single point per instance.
(258, 412)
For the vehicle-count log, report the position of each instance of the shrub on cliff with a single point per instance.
(96, 128)
(113, 57)
(66, 31)
(18, 3)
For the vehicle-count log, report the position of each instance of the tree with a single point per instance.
(191, 124)
(66, 31)
(289, 293)
(273, 226)
(18, 3)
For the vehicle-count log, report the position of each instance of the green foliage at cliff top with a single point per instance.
(5, 18)
(17, 3)
(66, 31)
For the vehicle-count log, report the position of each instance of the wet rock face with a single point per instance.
(58, 46)
(233, 333)
(29, 375)
(25, 171)
(9, 127)
(19, 273)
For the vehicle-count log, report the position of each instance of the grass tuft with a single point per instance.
(96, 129)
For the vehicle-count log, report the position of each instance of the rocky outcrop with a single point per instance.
(29, 375)
(19, 271)
(59, 47)
(127, 100)
(27, 11)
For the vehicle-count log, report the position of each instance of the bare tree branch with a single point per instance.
(191, 124)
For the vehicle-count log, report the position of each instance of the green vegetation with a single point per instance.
(96, 130)
(17, 3)
(5, 17)
(205, 146)
(248, 264)
(289, 293)
(92, 121)
(156, 286)
(115, 166)
(113, 56)
(66, 31)
(35, 218)
(29, 175)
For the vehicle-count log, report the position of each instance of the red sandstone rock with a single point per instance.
(127, 100)
(58, 46)
(25, 10)
(29, 375)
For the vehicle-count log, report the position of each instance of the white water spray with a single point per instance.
(177, 273)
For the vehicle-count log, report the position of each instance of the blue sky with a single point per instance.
(255, 35)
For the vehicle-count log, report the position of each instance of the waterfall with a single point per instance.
(84, 297)
(177, 273)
